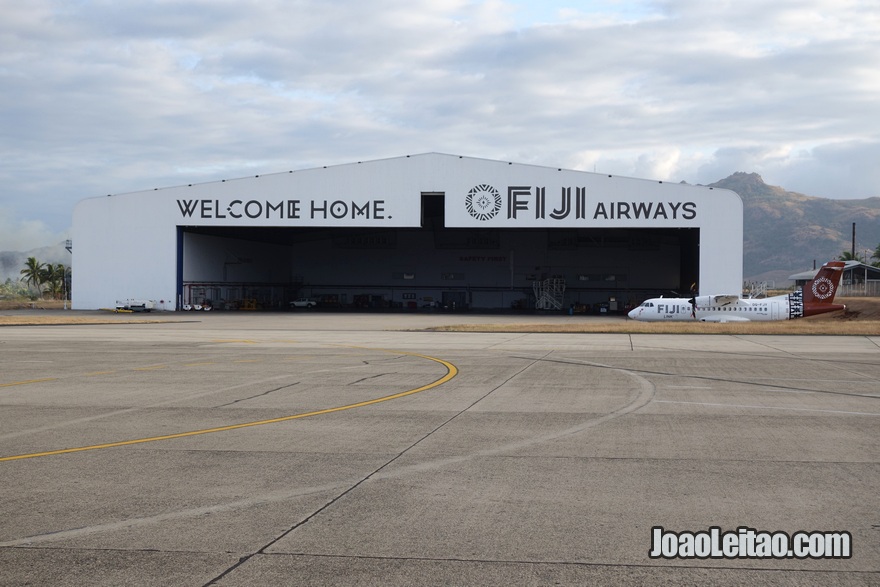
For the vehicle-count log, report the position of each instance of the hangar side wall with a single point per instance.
(721, 254)
(122, 249)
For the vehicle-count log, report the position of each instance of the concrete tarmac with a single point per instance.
(343, 449)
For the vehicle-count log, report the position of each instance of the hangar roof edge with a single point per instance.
(415, 156)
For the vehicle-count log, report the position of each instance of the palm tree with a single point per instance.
(62, 276)
(848, 256)
(876, 255)
(33, 273)
(53, 277)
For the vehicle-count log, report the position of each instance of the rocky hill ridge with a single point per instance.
(784, 232)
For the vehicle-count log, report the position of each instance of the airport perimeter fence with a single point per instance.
(869, 289)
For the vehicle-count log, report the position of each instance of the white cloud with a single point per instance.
(113, 96)
(25, 235)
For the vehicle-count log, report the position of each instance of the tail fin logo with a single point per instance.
(823, 288)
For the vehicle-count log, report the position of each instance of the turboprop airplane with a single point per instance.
(814, 298)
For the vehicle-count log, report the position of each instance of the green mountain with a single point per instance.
(785, 232)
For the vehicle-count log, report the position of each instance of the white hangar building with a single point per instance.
(409, 232)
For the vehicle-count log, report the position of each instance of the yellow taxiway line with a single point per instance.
(451, 371)
(28, 382)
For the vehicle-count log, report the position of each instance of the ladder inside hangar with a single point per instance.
(549, 293)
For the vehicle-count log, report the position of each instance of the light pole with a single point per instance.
(68, 244)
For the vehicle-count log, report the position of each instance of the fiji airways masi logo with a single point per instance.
(823, 288)
(483, 202)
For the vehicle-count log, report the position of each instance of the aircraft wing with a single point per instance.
(723, 300)
(720, 318)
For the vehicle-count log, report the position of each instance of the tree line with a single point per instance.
(849, 256)
(51, 279)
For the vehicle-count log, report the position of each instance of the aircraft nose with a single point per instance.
(633, 313)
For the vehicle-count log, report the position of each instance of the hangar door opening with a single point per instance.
(433, 266)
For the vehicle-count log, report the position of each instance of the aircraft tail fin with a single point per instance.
(823, 288)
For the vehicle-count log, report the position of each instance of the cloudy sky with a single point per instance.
(111, 96)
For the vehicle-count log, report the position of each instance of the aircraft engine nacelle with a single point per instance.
(702, 301)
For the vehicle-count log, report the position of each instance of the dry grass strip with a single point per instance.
(792, 327)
